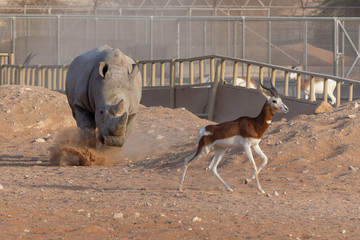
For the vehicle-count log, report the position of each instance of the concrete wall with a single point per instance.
(231, 102)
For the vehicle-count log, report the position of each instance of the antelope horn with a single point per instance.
(272, 90)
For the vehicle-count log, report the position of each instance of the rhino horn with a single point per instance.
(118, 125)
(117, 108)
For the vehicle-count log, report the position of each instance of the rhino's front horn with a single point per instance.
(118, 125)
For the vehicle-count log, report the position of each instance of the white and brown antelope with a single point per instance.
(318, 86)
(239, 81)
(244, 131)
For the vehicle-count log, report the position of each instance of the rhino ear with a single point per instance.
(135, 70)
(103, 68)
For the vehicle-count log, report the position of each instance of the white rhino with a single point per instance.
(103, 87)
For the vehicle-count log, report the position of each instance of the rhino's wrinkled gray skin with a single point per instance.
(103, 87)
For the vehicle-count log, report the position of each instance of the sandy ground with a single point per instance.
(311, 181)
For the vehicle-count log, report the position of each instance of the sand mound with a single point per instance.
(25, 110)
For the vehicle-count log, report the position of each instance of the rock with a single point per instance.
(351, 168)
(38, 140)
(324, 107)
(276, 194)
(351, 116)
(159, 137)
(118, 215)
(196, 219)
(136, 215)
(1, 187)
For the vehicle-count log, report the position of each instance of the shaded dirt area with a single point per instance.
(311, 181)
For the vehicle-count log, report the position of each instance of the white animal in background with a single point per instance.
(240, 81)
(243, 132)
(318, 87)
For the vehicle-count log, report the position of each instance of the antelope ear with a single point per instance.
(265, 94)
(103, 69)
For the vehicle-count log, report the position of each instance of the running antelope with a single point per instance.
(244, 131)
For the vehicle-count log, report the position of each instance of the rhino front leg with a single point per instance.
(86, 122)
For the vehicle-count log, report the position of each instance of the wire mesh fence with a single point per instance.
(323, 45)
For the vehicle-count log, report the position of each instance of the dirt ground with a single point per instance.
(311, 182)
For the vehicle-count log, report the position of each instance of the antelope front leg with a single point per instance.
(263, 164)
(253, 165)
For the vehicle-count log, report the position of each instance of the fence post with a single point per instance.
(338, 93)
(153, 82)
(261, 75)
(236, 65)
(2, 71)
(181, 73)
(351, 90)
(172, 83)
(144, 74)
(248, 75)
(286, 84)
(325, 95)
(201, 70)
(162, 74)
(191, 72)
(298, 86)
(213, 91)
(312, 90)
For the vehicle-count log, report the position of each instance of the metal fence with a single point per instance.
(322, 45)
(193, 71)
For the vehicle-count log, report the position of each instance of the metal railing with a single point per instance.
(200, 71)
(47, 76)
(229, 72)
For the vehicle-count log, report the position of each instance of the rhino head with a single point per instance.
(114, 106)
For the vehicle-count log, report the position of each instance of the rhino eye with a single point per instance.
(101, 112)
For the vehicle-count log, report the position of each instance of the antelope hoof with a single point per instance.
(180, 189)
(262, 191)
(229, 189)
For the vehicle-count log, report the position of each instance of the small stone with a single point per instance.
(351, 116)
(196, 219)
(1, 187)
(118, 215)
(39, 140)
(343, 231)
(351, 168)
(159, 137)
(136, 215)
(276, 194)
